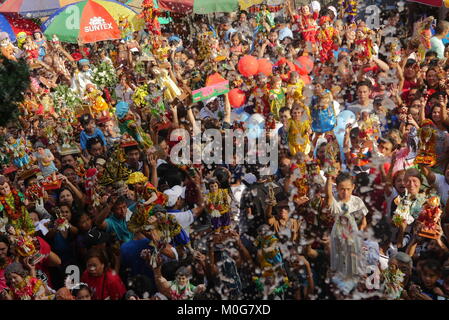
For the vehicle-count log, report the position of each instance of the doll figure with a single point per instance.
(24, 286)
(24, 244)
(204, 38)
(21, 39)
(45, 159)
(161, 49)
(181, 288)
(264, 16)
(164, 80)
(430, 216)
(424, 34)
(91, 178)
(300, 178)
(35, 191)
(259, 96)
(66, 133)
(18, 151)
(276, 96)
(55, 40)
(147, 194)
(156, 100)
(150, 14)
(215, 50)
(125, 28)
(128, 124)
(98, 105)
(46, 107)
(82, 77)
(369, 125)
(402, 213)
(427, 144)
(363, 43)
(12, 207)
(32, 50)
(345, 247)
(323, 113)
(268, 252)
(167, 229)
(331, 164)
(7, 49)
(40, 41)
(295, 86)
(270, 122)
(307, 24)
(326, 37)
(393, 283)
(299, 129)
(218, 203)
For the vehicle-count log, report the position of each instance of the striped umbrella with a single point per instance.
(34, 8)
(90, 21)
(13, 24)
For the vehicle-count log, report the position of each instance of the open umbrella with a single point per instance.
(33, 8)
(208, 6)
(13, 24)
(90, 21)
(199, 6)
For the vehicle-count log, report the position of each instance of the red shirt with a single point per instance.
(44, 250)
(108, 285)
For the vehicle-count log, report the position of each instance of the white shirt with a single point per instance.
(356, 207)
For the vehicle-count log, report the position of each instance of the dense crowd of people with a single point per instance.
(94, 207)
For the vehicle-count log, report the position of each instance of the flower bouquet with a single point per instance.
(104, 76)
(62, 224)
(64, 97)
(402, 213)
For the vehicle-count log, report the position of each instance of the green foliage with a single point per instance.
(104, 76)
(14, 81)
(63, 96)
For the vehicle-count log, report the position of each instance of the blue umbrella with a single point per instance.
(5, 26)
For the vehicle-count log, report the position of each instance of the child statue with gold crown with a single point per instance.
(146, 193)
